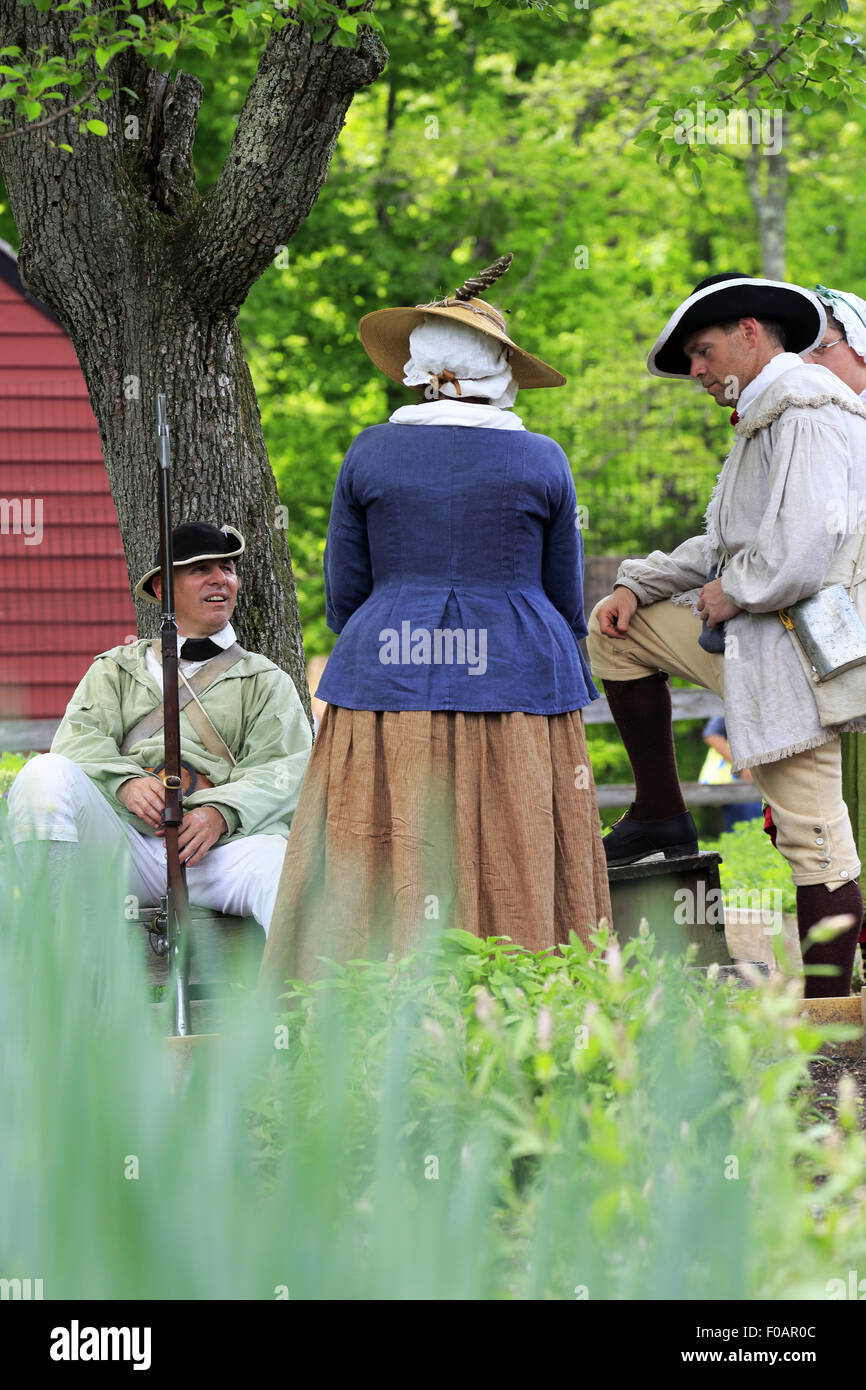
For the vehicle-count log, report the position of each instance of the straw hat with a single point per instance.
(385, 332)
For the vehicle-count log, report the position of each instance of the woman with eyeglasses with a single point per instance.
(842, 350)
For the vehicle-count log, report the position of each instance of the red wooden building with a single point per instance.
(64, 594)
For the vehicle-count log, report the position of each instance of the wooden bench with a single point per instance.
(225, 952)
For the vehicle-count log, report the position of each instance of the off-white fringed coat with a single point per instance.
(786, 506)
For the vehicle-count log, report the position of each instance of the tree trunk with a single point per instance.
(767, 175)
(147, 277)
(769, 197)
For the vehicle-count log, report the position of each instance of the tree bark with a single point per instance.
(147, 277)
(769, 197)
(767, 177)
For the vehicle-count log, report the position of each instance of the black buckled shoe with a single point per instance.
(632, 840)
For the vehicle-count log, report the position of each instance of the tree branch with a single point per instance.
(277, 162)
(773, 58)
(49, 120)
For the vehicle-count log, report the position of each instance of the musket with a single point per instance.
(175, 904)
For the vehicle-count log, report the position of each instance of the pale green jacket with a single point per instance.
(255, 708)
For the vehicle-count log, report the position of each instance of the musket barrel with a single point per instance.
(177, 901)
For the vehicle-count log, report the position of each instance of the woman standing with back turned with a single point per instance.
(449, 784)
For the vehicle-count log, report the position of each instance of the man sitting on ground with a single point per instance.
(245, 743)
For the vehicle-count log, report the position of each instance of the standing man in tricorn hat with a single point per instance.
(710, 611)
(245, 743)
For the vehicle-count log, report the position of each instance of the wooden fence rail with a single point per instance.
(22, 735)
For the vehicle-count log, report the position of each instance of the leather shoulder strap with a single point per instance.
(195, 685)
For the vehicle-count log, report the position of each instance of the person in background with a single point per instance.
(449, 784)
(842, 350)
(717, 772)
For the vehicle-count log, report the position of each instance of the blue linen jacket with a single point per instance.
(454, 574)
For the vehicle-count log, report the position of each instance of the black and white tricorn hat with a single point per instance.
(732, 295)
(193, 541)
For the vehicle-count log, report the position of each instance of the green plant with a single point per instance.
(473, 1121)
(10, 765)
(750, 861)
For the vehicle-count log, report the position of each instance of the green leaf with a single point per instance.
(102, 56)
(104, 93)
(97, 127)
(31, 109)
(696, 176)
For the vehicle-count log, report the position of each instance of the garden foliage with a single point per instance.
(470, 1122)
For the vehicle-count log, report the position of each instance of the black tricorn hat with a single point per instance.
(193, 541)
(732, 295)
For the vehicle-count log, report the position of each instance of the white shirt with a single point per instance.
(224, 638)
(782, 362)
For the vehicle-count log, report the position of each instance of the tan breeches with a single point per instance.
(805, 790)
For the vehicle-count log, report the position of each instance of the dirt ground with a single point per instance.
(825, 1073)
(748, 940)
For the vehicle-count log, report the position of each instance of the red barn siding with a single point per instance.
(67, 597)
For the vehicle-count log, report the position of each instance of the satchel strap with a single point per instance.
(188, 692)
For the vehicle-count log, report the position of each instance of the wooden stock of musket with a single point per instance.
(176, 901)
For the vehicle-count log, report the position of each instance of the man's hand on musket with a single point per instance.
(714, 604)
(617, 611)
(144, 797)
(199, 830)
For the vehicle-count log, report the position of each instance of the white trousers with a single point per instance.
(52, 798)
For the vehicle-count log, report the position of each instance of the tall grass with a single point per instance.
(471, 1122)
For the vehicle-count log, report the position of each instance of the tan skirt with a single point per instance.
(417, 820)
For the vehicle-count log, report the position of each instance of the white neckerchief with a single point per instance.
(782, 362)
(224, 638)
(451, 412)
